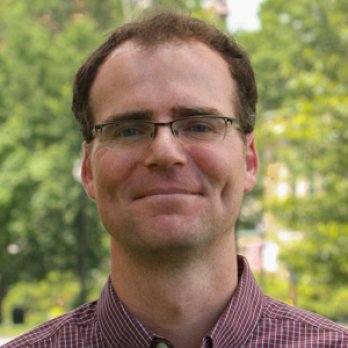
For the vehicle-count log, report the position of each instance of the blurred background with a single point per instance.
(294, 226)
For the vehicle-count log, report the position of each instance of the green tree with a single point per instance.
(301, 60)
(42, 214)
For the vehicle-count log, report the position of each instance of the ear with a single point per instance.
(251, 162)
(87, 171)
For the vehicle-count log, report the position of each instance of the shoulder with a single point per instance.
(300, 325)
(65, 327)
(275, 309)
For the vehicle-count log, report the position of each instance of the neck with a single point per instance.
(180, 300)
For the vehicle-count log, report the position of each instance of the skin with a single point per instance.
(170, 208)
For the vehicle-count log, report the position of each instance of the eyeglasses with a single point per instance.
(188, 130)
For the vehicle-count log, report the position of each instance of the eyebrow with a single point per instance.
(176, 112)
(183, 111)
(130, 115)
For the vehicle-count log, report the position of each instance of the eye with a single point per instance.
(126, 132)
(198, 126)
(206, 128)
(123, 130)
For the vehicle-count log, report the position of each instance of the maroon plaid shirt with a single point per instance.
(250, 320)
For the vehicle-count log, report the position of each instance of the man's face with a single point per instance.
(166, 194)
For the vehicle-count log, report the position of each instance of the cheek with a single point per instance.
(111, 171)
(233, 190)
(225, 173)
(227, 169)
(223, 165)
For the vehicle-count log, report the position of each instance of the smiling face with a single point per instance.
(167, 195)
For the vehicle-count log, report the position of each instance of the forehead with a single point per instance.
(168, 75)
(188, 47)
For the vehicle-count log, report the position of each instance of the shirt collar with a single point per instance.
(243, 312)
(120, 329)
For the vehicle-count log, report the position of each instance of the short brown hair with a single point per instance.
(160, 28)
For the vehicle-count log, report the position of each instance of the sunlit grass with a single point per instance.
(14, 330)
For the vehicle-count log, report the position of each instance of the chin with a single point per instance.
(169, 235)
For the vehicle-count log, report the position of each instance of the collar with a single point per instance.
(120, 329)
(243, 312)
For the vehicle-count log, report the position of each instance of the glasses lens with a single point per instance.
(126, 132)
(207, 128)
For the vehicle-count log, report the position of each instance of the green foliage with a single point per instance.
(45, 299)
(274, 285)
(325, 246)
(301, 60)
(42, 207)
(332, 302)
(14, 330)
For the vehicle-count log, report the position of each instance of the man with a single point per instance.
(167, 110)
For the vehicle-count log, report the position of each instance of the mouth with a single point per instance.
(166, 192)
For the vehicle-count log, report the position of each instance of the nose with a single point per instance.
(165, 151)
(163, 124)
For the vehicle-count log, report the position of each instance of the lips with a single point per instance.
(165, 191)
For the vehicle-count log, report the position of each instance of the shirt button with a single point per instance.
(161, 345)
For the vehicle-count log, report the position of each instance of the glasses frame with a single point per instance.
(228, 120)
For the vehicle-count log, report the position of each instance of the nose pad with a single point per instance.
(164, 135)
(154, 133)
(175, 132)
(165, 150)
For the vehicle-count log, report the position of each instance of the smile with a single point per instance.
(166, 192)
